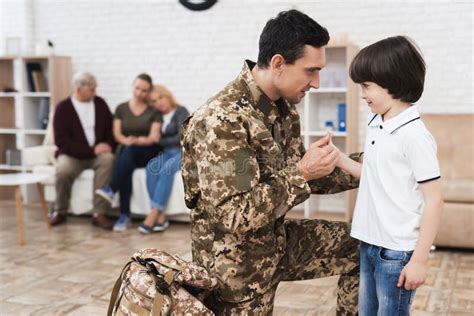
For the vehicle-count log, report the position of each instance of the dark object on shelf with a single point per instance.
(13, 157)
(9, 90)
(198, 5)
(43, 112)
(36, 79)
(341, 117)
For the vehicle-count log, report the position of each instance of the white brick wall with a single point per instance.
(17, 20)
(196, 53)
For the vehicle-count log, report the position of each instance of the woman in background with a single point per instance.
(160, 170)
(136, 128)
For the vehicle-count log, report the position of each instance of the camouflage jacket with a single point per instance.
(239, 167)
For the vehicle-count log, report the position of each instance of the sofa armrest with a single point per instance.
(38, 155)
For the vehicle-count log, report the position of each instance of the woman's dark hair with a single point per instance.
(147, 78)
(395, 64)
(287, 34)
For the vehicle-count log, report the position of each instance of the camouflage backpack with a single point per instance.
(156, 283)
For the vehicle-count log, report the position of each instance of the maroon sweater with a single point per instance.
(69, 135)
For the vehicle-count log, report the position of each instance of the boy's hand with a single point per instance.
(336, 149)
(413, 275)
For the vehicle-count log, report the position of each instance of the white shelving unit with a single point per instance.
(20, 124)
(320, 106)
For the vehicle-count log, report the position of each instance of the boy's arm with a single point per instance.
(349, 165)
(414, 273)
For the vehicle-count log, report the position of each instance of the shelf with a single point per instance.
(14, 168)
(24, 110)
(35, 132)
(322, 133)
(317, 110)
(36, 94)
(329, 90)
(12, 131)
(8, 94)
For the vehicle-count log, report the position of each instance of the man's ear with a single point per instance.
(276, 64)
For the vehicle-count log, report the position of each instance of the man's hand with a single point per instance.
(319, 160)
(102, 148)
(413, 275)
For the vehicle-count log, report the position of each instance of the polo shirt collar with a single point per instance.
(261, 100)
(402, 119)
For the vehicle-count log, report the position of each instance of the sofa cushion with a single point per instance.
(458, 190)
(46, 169)
(456, 229)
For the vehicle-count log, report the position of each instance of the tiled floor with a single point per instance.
(69, 270)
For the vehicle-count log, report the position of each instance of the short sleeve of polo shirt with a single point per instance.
(421, 153)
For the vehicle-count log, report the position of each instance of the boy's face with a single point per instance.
(296, 79)
(378, 99)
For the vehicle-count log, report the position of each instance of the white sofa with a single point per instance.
(41, 160)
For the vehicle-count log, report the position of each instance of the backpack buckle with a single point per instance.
(161, 285)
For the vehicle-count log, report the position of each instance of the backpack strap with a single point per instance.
(135, 309)
(115, 291)
(159, 297)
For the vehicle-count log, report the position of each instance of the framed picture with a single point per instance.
(12, 46)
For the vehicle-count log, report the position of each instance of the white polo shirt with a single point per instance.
(399, 154)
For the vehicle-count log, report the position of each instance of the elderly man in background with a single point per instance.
(83, 134)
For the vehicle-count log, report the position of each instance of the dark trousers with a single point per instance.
(128, 159)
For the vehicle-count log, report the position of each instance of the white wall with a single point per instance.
(196, 53)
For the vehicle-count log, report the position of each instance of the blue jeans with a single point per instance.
(379, 272)
(160, 173)
(127, 160)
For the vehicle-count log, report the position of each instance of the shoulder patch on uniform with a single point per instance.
(243, 174)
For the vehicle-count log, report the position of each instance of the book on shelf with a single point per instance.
(36, 78)
(43, 112)
(39, 81)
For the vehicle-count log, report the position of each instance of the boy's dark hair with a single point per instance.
(145, 77)
(395, 64)
(287, 34)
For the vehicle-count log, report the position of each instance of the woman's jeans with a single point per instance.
(128, 159)
(380, 269)
(160, 173)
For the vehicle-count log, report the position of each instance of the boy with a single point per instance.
(399, 203)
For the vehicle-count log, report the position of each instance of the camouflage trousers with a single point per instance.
(315, 249)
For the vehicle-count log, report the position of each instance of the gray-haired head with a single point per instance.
(81, 79)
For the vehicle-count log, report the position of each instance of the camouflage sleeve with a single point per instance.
(230, 180)
(337, 181)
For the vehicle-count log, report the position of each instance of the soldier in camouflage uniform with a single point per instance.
(245, 166)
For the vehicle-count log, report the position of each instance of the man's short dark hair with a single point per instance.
(395, 64)
(287, 34)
